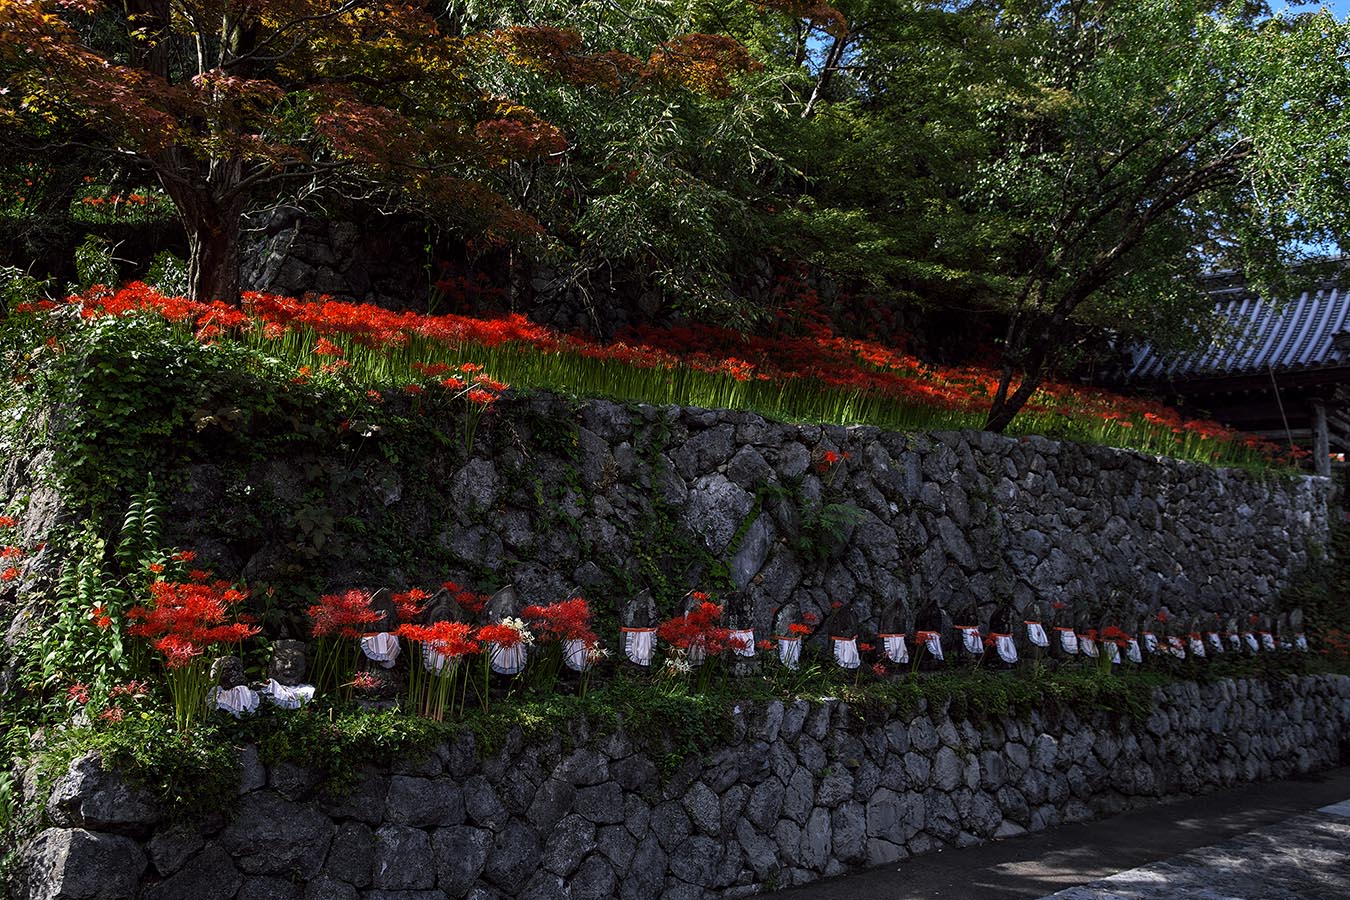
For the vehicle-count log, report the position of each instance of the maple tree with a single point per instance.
(232, 104)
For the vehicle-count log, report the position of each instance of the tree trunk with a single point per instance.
(1002, 412)
(213, 251)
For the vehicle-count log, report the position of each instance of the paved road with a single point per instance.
(1036, 865)
(1303, 858)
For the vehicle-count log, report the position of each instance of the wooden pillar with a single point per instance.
(1321, 443)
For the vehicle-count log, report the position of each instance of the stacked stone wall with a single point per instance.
(800, 792)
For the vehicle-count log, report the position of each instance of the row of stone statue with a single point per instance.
(928, 639)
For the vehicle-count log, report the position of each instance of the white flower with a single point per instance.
(677, 666)
(596, 653)
(520, 628)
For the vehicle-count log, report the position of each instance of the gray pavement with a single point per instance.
(1303, 858)
(1297, 850)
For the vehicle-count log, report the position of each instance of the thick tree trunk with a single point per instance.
(214, 233)
(1004, 410)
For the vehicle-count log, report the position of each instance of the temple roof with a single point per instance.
(1308, 332)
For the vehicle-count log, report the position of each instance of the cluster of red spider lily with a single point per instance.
(1336, 642)
(700, 633)
(867, 380)
(451, 640)
(569, 620)
(343, 615)
(184, 620)
(10, 555)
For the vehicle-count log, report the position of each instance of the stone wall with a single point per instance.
(799, 793)
(612, 499)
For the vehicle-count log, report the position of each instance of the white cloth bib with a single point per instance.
(435, 661)
(576, 656)
(1036, 634)
(507, 660)
(1068, 641)
(1088, 646)
(790, 651)
(1177, 647)
(1301, 642)
(1150, 642)
(1112, 652)
(748, 636)
(381, 648)
(893, 645)
(970, 639)
(236, 701)
(287, 696)
(1234, 641)
(1253, 644)
(932, 642)
(1006, 648)
(1132, 651)
(1267, 641)
(638, 644)
(1197, 647)
(846, 652)
(1215, 642)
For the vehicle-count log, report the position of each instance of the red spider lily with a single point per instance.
(344, 615)
(449, 639)
(796, 628)
(879, 670)
(325, 347)
(100, 616)
(11, 553)
(185, 556)
(408, 604)
(199, 575)
(9, 574)
(113, 715)
(468, 601)
(1163, 616)
(1113, 635)
(865, 648)
(1058, 605)
(79, 692)
(815, 354)
(8, 522)
(155, 568)
(365, 681)
(480, 397)
(765, 645)
(504, 636)
(700, 630)
(810, 618)
(183, 620)
(130, 689)
(568, 620)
